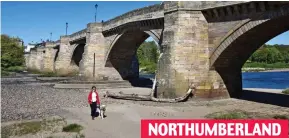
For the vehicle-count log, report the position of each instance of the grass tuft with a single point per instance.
(21, 129)
(48, 74)
(239, 114)
(32, 127)
(286, 91)
(34, 71)
(72, 128)
(4, 73)
(81, 136)
(229, 115)
(281, 117)
(15, 69)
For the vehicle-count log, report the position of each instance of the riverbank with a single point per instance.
(277, 70)
(43, 101)
(264, 70)
(279, 91)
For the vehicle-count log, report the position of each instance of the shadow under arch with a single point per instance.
(233, 51)
(122, 52)
(77, 53)
(56, 54)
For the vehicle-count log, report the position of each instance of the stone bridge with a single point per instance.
(201, 43)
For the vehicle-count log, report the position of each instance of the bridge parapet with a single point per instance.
(237, 10)
(146, 13)
(57, 42)
(40, 49)
(50, 44)
(78, 35)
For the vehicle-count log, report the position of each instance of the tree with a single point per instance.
(12, 54)
(148, 55)
(274, 55)
(271, 54)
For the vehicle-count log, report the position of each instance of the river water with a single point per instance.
(269, 80)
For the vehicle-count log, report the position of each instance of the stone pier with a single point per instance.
(49, 57)
(185, 59)
(63, 62)
(203, 43)
(92, 64)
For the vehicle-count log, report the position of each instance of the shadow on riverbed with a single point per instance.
(265, 97)
(141, 82)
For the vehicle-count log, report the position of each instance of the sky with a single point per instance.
(33, 21)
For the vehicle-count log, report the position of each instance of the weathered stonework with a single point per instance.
(95, 45)
(202, 43)
(26, 56)
(63, 62)
(39, 64)
(49, 57)
(185, 59)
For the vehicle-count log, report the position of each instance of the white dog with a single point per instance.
(102, 111)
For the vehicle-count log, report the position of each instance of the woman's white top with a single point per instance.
(93, 97)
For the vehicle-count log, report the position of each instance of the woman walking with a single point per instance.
(93, 100)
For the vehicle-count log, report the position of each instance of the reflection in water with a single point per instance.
(270, 80)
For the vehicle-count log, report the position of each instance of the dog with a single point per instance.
(102, 111)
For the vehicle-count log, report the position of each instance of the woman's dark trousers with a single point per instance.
(93, 109)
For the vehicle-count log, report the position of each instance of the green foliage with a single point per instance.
(4, 73)
(286, 91)
(266, 65)
(34, 71)
(12, 54)
(240, 114)
(72, 128)
(275, 55)
(15, 68)
(284, 117)
(48, 74)
(22, 129)
(148, 56)
(229, 115)
(82, 136)
(31, 127)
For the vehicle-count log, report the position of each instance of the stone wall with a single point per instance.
(96, 45)
(77, 35)
(185, 59)
(236, 48)
(146, 13)
(26, 56)
(49, 57)
(63, 62)
(39, 62)
(202, 43)
(32, 59)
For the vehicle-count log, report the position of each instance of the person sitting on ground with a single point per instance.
(93, 100)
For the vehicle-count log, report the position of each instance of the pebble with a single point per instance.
(21, 101)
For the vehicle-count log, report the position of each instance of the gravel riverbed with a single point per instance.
(20, 101)
(28, 98)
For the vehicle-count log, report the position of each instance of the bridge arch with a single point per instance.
(122, 52)
(231, 53)
(77, 52)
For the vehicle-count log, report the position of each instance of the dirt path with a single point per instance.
(123, 117)
(123, 120)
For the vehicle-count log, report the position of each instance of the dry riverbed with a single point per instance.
(22, 102)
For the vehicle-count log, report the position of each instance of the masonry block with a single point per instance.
(177, 72)
(63, 62)
(49, 57)
(39, 64)
(92, 65)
